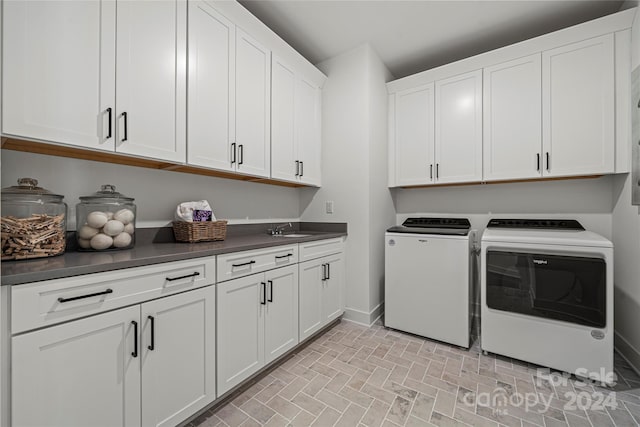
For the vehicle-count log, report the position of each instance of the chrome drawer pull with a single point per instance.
(108, 291)
(194, 274)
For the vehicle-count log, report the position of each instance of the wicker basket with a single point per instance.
(205, 231)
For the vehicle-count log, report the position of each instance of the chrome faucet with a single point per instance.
(277, 230)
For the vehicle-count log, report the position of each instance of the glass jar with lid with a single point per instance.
(33, 221)
(105, 220)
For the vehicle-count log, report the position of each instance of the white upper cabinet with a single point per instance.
(151, 79)
(578, 108)
(513, 119)
(295, 126)
(308, 132)
(436, 132)
(58, 76)
(211, 88)
(63, 74)
(458, 124)
(253, 99)
(283, 131)
(414, 136)
(229, 95)
(552, 106)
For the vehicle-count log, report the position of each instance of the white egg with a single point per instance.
(101, 241)
(113, 227)
(125, 216)
(129, 228)
(87, 232)
(109, 215)
(97, 219)
(84, 243)
(122, 240)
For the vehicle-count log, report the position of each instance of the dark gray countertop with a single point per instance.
(154, 246)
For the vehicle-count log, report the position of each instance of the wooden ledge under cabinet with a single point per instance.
(506, 181)
(116, 158)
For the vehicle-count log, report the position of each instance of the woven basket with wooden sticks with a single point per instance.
(205, 231)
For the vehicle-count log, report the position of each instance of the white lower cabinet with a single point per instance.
(321, 282)
(149, 364)
(177, 356)
(257, 322)
(80, 373)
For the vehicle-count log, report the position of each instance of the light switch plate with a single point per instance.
(329, 206)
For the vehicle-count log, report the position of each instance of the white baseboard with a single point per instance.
(362, 317)
(627, 351)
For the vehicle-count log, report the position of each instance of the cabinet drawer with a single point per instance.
(238, 264)
(320, 248)
(49, 302)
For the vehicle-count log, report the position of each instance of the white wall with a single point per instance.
(345, 166)
(626, 240)
(156, 192)
(589, 200)
(354, 138)
(381, 207)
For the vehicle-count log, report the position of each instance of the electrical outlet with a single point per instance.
(329, 206)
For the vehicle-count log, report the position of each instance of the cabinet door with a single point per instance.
(308, 132)
(332, 288)
(281, 312)
(151, 79)
(414, 136)
(59, 71)
(240, 329)
(253, 99)
(513, 119)
(211, 87)
(283, 116)
(310, 307)
(458, 141)
(80, 373)
(178, 356)
(578, 108)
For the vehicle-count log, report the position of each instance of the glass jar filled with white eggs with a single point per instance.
(105, 220)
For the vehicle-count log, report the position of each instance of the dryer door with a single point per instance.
(567, 288)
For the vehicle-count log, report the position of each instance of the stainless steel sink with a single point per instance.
(291, 235)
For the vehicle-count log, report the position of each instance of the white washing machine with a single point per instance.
(428, 278)
(547, 295)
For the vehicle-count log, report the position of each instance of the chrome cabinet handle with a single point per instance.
(297, 167)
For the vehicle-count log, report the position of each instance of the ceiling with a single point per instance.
(413, 36)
